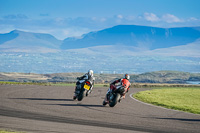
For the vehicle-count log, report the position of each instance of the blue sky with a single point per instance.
(67, 18)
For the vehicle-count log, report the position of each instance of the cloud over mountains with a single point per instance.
(168, 18)
(62, 27)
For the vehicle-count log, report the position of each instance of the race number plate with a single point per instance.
(86, 87)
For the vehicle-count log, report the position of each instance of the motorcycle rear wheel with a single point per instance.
(115, 100)
(80, 96)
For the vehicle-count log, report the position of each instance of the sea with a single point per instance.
(193, 82)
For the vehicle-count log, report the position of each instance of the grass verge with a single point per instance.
(184, 99)
(134, 85)
(5, 131)
(48, 83)
(24, 83)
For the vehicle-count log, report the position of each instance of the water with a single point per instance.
(193, 82)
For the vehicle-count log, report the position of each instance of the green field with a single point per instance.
(184, 99)
(4, 131)
(48, 84)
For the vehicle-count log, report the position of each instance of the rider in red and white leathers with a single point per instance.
(124, 82)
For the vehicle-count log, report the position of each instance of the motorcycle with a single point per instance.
(115, 96)
(82, 89)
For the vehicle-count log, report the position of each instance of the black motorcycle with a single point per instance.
(114, 96)
(82, 89)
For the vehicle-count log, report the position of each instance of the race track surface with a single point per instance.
(50, 109)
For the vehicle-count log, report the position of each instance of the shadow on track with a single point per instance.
(176, 119)
(74, 105)
(50, 99)
(51, 118)
(44, 99)
(181, 119)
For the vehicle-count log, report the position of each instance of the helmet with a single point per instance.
(126, 76)
(90, 72)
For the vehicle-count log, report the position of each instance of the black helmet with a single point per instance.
(126, 76)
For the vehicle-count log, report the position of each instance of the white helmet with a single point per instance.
(90, 72)
(126, 76)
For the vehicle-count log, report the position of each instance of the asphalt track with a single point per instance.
(50, 109)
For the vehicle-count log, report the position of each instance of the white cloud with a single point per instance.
(118, 19)
(169, 18)
(151, 17)
(74, 31)
(192, 19)
(120, 16)
(103, 19)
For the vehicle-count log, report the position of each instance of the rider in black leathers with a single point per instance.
(88, 76)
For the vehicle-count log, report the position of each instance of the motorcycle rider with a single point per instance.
(123, 82)
(88, 76)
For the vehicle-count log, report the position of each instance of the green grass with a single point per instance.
(48, 83)
(5, 131)
(23, 83)
(63, 84)
(184, 99)
(73, 84)
(101, 85)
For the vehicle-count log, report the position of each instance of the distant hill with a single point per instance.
(28, 42)
(166, 77)
(147, 38)
(150, 77)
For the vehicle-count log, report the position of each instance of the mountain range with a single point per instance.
(141, 48)
(130, 38)
(135, 36)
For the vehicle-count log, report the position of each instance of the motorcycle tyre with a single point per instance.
(80, 96)
(115, 100)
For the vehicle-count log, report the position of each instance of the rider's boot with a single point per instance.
(89, 91)
(106, 98)
(86, 93)
(105, 101)
(120, 100)
(74, 97)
